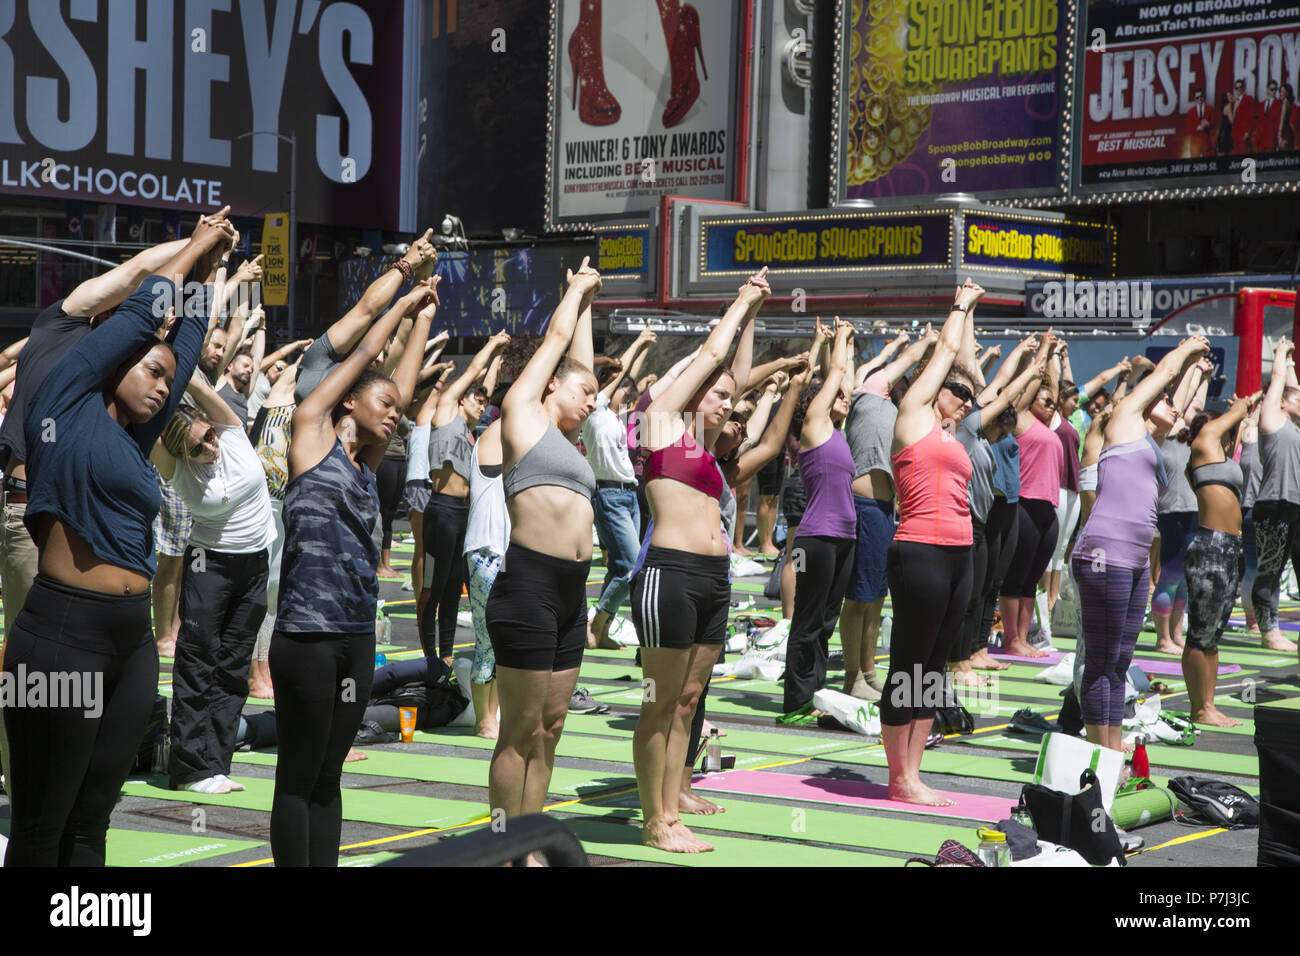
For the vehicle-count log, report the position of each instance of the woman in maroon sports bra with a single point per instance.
(681, 597)
(929, 561)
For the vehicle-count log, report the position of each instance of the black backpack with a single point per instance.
(436, 705)
(1220, 804)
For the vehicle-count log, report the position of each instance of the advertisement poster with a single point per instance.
(942, 96)
(1193, 93)
(275, 259)
(644, 104)
(152, 103)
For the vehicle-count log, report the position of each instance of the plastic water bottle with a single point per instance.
(713, 756)
(380, 660)
(993, 849)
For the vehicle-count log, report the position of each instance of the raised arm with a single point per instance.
(817, 424)
(452, 394)
(1271, 416)
(1012, 392)
(109, 290)
(632, 354)
(880, 359)
(258, 322)
(1041, 357)
(210, 403)
(407, 373)
(742, 362)
(714, 350)
(1207, 446)
(1128, 421)
(659, 386)
(421, 258)
(773, 440)
(900, 366)
(529, 388)
(10, 355)
(918, 398)
(282, 354)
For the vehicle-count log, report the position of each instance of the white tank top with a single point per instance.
(489, 522)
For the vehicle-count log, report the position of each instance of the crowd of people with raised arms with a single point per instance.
(173, 490)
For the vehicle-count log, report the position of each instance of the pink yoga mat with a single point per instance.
(849, 793)
(1151, 665)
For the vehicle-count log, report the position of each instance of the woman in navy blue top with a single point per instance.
(85, 624)
(323, 648)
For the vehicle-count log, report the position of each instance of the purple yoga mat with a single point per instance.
(850, 793)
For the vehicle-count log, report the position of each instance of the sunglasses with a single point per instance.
(959, 391)
(208, 436)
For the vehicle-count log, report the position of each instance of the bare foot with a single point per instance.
(860, 689)
(688, 801)
(387, 572)
(1211, 716)
(981, 660)
(666, 835)
(683, 828)
(917, 793)
(741, 550)
(1274, 641)
(167, 648)
(707, 727)
(968, 678)
(354, 755)
(769, 552)
(1167, 646)
(1022, 648)
(261, 691)
(488, 730)
(1126, 747)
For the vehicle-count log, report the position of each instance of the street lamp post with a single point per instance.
(292, 140)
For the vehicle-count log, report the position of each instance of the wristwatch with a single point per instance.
(960, 307)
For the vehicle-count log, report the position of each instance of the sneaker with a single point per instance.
(1130, 841)
(215, 784)
(235, 785)
(408, 586)
(582, 703)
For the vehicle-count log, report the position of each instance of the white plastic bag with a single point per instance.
(1061, 673)
(861, 716)
(461, 667)
(1062, 758)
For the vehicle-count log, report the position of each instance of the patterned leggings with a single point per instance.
(1275, 540)
(483, 566)
(1113, 601)
(1214, 565)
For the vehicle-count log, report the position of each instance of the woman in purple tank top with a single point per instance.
(824, 546)
(1111, 557)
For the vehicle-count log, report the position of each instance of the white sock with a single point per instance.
(1044, 616)
(210, 785)
(235, 785)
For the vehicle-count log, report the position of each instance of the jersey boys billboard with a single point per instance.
(941, 96)
(643, 104)
(144, 102)
(1192, 93)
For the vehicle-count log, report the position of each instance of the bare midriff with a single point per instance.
(552, 520)
(874, 484)
(1218, 509)
(67, 558)
(686, 519)
(446, 482)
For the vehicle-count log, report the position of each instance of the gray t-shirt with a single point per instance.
(1251, 472)
(980, 487)
(237, 402)
(1177, 495)
(870, 431)
(1279, 456)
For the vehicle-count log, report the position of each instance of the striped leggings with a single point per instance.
(1113, 602)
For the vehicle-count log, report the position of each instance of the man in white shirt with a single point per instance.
(618, 517)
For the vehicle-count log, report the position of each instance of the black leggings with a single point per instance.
(1035, 542)
(322, 685)
(70, 756)
(391, 479)
(444, 570)
(970, 639)
(820, 583)
(223, 602)
(931, 586)
(1000, 535)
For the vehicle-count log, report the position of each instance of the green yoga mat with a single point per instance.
(801, 824)
(363, 806)
(1183, 758)
(799, 743)
(623, 842)
(142, 848)
(465, 771)
(1257, 657)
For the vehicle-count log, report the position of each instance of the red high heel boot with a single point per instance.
(682, 51)
(594, 102)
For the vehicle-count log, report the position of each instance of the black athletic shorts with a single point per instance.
(769, 476)
(680, 599)
(537, 611)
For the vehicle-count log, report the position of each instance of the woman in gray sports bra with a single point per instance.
(1213, 563)
(537, 612)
